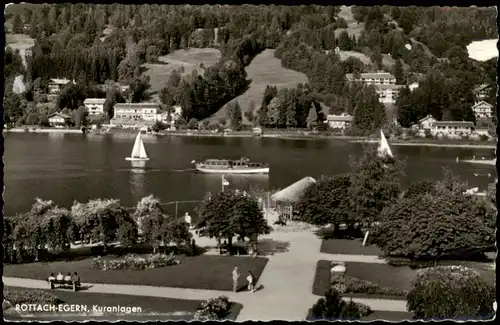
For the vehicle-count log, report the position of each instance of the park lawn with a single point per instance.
(153, 308)
(264, 70)
(208, 272)
(384, 275)
(349, 247)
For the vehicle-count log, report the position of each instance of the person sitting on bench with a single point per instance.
(67, 278)
(59, 276)
(75, 278)
(51, 277)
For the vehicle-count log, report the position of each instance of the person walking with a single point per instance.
(236, 276)
(251, 281)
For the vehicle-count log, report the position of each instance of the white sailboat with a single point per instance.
(138, 152)
(383, 146)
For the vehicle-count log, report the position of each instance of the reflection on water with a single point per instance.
(242, 182)
(138, 164)
(138, 182)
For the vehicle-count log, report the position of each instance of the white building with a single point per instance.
(452, 128)
(413, 86)
(162, 117)
(58, 119)
(54, 86)
(482, 110)
(373, 78)
(339, 121)
(387, 93)
(95, 106)
(135, 113)
(427, 122)
(176, 113)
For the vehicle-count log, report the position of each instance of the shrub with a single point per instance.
(213, 309)
(134, 262)
(346, 284)
(332, 307)
(31, 297)
(450, 292)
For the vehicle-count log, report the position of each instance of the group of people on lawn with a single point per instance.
(250, 279)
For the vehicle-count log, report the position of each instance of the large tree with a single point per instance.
(235, 116)
(375, 184)
(104, 221)
(438, 223)
(231, 213)
(326, 202)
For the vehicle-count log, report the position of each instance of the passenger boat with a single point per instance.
(225, 166)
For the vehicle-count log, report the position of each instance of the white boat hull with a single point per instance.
(264, 170)
(482, 162)
(136, 159)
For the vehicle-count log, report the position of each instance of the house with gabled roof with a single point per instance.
(482, 109)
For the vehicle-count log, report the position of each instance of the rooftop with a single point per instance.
(94, 101)
(339, 118)
(294, 192)
(454, 123)
(136, 105)
(426, 118)
(61, 81)
(372, 75)
(59, 115)
(384, 87)
(482, 103)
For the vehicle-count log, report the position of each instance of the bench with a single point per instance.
(74, 284)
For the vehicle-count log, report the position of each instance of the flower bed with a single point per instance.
(134, 262)
(213, 309)
(346, 284)
(31, 297)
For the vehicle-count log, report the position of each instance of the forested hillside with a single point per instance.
(96, 44)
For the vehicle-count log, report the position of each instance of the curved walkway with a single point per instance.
(287, 281)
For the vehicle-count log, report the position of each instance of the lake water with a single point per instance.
(68, 167)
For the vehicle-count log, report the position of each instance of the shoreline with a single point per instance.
(448, 145)
(285, 136)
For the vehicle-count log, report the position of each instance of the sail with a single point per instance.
(142, 152)
(383, 147)
(136, 151)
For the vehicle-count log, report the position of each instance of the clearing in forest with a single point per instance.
(19, 41)
(190, 59)
(264, 70)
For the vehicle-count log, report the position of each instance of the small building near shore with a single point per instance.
(257, 131)
(135, 113)
(286, 199)
(58, 119)
(427, 122)
(482, 110)
(94, 106)
(338, 121)
(452, 128)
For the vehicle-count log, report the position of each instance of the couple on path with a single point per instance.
(250, 280)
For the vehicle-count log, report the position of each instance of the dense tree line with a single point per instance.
(95, 43)
(48, 230)
(404, 223)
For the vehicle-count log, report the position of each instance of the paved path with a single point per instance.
(287, 282)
